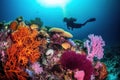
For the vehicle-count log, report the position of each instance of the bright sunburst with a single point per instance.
(53, 3)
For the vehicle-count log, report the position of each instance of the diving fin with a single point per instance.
(91, 20)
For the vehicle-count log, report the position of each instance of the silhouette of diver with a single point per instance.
(70, 22)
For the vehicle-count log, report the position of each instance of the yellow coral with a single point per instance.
(34, 26)
(58, 30)
(66, 45)
(67, 34)
(61, 32)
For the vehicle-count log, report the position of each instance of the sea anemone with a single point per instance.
(71, 60)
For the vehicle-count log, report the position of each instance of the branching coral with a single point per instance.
(24, 50)
(27, 43)
(13, 71)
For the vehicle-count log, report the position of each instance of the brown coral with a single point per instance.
(13, 25)
(103, 72)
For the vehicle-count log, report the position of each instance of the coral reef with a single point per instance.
(29, 51)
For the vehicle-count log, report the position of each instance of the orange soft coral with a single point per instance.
(27, 42)
(25, 48)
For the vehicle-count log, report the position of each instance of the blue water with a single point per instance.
(107, 13)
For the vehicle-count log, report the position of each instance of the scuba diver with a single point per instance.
(70, 22)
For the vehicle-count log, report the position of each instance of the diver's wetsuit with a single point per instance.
(71, 22)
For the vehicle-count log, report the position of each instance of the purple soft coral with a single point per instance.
(94, 47)
(37, 68)
(3, 46)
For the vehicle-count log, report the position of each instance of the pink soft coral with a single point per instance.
(37, 68)
(79, 75)
(94, 47)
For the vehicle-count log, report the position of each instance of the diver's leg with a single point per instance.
(89, 20)
(84, 23)
(77, 25)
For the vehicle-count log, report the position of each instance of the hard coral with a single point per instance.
(61, 32)
(56, 30)
(71, 60)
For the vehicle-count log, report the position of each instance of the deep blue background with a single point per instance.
(107, 13)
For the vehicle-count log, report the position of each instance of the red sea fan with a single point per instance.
(86, 66)
(71, 60)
